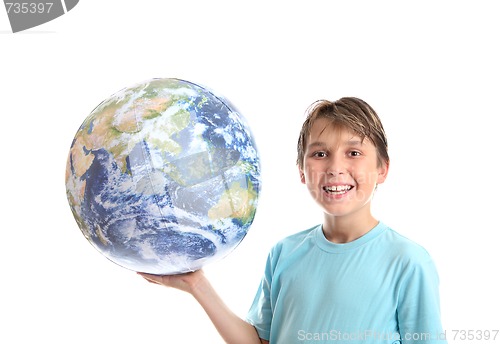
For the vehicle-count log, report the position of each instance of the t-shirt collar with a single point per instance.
(332, 247)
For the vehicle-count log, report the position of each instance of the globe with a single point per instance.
(163, 177)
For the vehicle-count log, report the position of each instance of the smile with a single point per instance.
(337, 189)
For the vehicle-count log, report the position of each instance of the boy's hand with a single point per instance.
(185, 282)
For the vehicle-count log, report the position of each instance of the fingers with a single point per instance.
(151, 278)
(182, 282)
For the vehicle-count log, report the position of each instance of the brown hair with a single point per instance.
(348, 112)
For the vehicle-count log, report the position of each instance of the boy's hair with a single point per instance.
(350, 113)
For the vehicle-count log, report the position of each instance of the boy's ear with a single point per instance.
(302, 176)
(383, 170)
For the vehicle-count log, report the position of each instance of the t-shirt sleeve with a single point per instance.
(260, 313)
(419, 317)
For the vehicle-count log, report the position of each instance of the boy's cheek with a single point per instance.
(367, 178)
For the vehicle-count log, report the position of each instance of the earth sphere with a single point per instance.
(164, 177)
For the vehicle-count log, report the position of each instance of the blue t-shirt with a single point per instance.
(379, 288)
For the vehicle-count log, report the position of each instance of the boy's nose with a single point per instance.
(335, 167)
(335, 171)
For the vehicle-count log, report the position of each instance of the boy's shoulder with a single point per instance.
(297, 239)
(299, 236)
(387, 241)
(403, 247)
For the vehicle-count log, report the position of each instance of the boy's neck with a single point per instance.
(344, 229)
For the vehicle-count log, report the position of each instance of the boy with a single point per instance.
(349, 280)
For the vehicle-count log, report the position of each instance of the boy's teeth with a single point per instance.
(338, 188)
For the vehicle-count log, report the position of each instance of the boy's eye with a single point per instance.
(319, 154)
(354, 153)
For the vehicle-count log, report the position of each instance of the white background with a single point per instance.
(429, 68)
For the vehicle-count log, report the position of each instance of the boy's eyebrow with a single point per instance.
(354, 143)
(316, 144)
(348, 143)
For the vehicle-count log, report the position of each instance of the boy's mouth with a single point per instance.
(337, 189)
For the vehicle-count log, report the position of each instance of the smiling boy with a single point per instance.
(341, 170)
(350, 279)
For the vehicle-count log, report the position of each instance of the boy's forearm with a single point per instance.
(232, 328)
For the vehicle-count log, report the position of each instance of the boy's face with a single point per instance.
(340, 170)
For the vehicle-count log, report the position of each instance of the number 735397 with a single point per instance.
(477, 335)
(28, 7)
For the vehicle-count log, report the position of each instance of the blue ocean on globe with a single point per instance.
(164, 177)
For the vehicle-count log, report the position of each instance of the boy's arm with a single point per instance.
(419, 316)
(232, 328)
